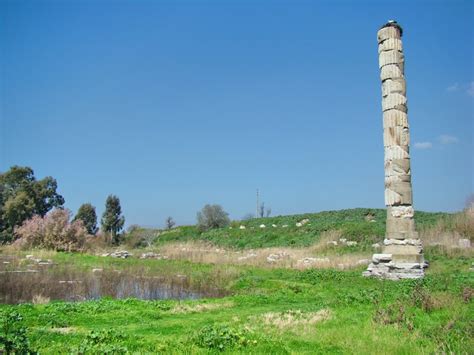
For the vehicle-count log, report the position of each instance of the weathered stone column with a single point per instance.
(402, 255)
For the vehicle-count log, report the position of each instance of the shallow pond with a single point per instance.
(36, 280)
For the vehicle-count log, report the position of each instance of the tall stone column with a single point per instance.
(402, 255)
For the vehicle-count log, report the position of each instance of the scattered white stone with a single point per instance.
(45, 262)
(262, 226)
(343, 240)
(285, 226)
(151, 255)
(274, 225)
(123, 254)
(302, 222)
(376, 245)
(97, 270)
(30, 256)
(248, 256)
(351, 243)
(242, 227)
(312, 261)
(332, 242)
(277, 256)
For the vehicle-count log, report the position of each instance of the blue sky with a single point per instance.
(174, 104)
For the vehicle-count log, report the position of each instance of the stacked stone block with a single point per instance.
(402, 255)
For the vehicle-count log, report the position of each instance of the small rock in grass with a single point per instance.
(277, 256)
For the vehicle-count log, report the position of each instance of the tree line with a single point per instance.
(32, 214)
(23, 197)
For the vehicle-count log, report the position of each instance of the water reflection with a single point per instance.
(23, 280)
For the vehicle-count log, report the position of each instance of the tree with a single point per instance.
(22, 196)
(248, 217)
(268, 212)
(261, 210)
(53, 231)
(212, 216)
(86, 214)
(112, 219)
(169, 223)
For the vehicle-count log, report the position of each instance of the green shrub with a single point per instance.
(107, 341)
(221, 337)
(13, 338)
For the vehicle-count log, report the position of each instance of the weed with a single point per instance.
(422, 298)
(396, 314)
(53, 320)
(107, 341)
(467, 294)
(222, 337)
(13, 334)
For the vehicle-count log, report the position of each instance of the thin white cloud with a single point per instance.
(447, 139)
(470, 89)
(454, 87)
(423, 145)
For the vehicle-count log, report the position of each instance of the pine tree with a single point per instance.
(112, 220)
(86, 214)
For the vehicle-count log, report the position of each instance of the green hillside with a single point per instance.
(366, 226)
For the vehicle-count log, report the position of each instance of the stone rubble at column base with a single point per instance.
(383, 266)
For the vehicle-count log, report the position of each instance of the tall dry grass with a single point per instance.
(447, 234)
(318, 255)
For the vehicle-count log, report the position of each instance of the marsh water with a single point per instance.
(36, 280)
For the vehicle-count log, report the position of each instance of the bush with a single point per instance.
(53, 231)
(221, 337)
(212, 216)
(106, 341)
(13, 337)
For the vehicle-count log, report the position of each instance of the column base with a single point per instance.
(397, 266)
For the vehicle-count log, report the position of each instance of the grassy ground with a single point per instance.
(268, 309)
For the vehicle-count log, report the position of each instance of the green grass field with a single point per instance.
(266, 310)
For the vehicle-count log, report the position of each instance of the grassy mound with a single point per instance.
(363, 225)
